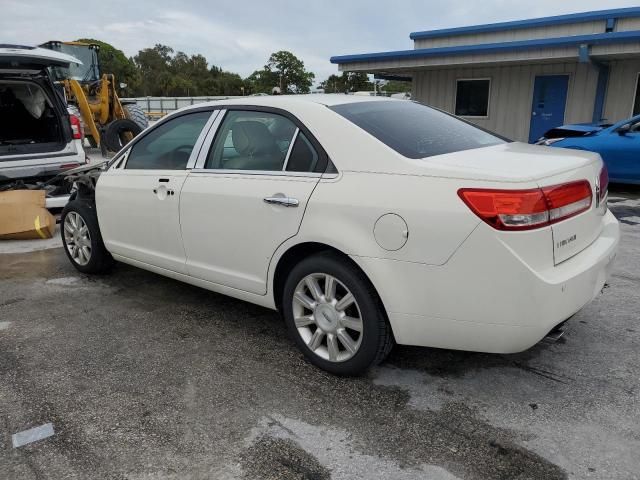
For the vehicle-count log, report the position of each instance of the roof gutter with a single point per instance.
(486, 48)
(607, 15)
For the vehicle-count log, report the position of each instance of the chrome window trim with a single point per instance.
(208, 140)
(195, 152)
(293, 141)
(330, 176)
(271, 173)
(119, 164)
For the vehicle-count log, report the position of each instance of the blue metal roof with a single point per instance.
(534, 22)
(591, 39)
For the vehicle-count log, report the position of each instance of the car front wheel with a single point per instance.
(335, 316)
(82, 239)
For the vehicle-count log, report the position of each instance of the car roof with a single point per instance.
(292, 101)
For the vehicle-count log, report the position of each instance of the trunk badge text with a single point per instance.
(566, 241)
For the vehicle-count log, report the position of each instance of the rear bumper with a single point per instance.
(43, 165)
(485, 298)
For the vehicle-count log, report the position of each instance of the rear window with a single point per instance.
(415, 130)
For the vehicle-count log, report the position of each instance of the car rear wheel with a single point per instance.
(82, 239)
(335, 316)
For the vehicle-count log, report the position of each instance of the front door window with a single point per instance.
(168, 146)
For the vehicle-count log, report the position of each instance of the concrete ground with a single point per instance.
(143, 377)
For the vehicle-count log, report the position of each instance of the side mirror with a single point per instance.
(624, 129)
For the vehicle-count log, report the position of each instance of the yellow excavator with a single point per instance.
(108, 122)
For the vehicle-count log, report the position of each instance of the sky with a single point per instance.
(239, 35)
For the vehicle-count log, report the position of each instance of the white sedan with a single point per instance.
(364, 221)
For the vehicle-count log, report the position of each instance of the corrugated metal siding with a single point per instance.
(615, 49)
(511, 93)
(627, 24)
(552, 31)
(621, 89)
(535, 55)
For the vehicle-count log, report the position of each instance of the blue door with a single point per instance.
(549, 100)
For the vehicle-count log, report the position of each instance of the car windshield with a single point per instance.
(415, 130)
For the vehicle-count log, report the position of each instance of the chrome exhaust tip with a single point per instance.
(554, 335)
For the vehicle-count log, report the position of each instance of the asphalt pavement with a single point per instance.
(142, 377)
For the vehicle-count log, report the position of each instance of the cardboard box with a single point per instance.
(23, 215)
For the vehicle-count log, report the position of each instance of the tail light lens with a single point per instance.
(604, 182)
(76, 127)
(528, 209)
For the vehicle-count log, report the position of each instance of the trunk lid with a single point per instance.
(23, 58)
(574, 234)
(509, 162)
(521, 166)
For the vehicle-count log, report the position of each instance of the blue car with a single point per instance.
(618, 144)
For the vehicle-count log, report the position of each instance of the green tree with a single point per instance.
(262, 81)
(165, 73)
(283, 70)
(226, 83)
(395, 86)
(156, 78)
(347, 82)
(191, 74)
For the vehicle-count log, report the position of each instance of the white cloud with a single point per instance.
(239, 36)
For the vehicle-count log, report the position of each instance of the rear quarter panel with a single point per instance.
(343, 212)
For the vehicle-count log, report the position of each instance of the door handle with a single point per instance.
(284, 201)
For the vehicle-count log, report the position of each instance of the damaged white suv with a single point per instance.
(38, 137)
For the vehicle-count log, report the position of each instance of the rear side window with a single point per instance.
(249, 140)
(168, 147)
(303, 157)
(415, 130)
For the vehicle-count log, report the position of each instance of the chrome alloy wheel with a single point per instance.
(327, 317)
(77, 238)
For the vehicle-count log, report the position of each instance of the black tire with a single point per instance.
(114, 136)
(135, 113)
(100, 260)
(377, 338)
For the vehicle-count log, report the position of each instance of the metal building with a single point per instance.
(524, 77)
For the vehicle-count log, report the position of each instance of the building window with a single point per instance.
(636, 104)
(472, 97)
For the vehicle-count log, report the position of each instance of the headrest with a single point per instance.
(252, 138)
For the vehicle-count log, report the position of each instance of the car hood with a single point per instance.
(19, 57)
(509, 162)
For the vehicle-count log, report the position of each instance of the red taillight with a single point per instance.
(528, 209)
(76, 127)
(604, 182)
